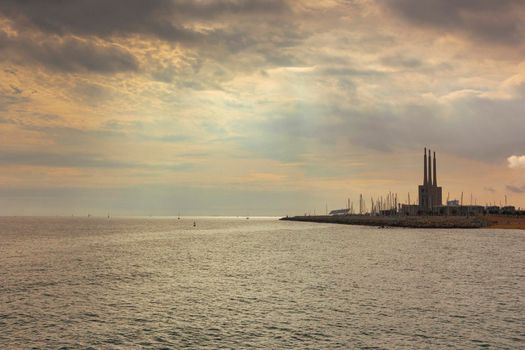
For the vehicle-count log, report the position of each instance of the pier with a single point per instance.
(399, 221)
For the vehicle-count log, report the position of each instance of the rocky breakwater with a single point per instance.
(398, 221)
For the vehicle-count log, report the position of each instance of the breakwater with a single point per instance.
(398, 221)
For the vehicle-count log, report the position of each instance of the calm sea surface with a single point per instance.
(234, 283)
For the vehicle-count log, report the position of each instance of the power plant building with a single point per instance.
(430, 194)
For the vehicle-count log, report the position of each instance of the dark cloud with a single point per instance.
(490, 189)
(147, 199)
(29, 120)
(211, 9)
(67, 54)
(91, 93)
(402, 61)
(7, 100)
(81, 35)
(111, 131)
(516, 189)
(16, 90)
(98, 17)
(492, 21)
(81, 160)
(59, 160)
(280, 59)
(405, 63)
(348, 71)
(9, 70)
(471, 131)
(164, 74)
(163, 19)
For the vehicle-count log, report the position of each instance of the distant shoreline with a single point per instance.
(503, 222)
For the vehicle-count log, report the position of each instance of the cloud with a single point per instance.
(516, 162)
(99, 18)
(110, 37)
(385, 126)
(490, 189)
(401, 61)
(16, 90)
(9, 100)
(348, 71)
(257, 84)
(163, 19)
(82, 160)
(147, 199)
(516, 189)
(456, 128)
(67, 54)
(91, 93)
(60, 160)
(188, 45)
(496, 22)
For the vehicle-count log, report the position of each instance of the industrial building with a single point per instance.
(430, 194)
(430, 200)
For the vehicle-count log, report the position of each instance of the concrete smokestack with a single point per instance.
(435, 181)
(425, 176)
(429, 188)
(429, 168)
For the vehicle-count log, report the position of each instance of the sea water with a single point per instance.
(161, 283)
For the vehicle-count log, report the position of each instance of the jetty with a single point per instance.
(427, 212)
(398, 221)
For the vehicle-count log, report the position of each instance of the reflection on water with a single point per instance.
(235, 283)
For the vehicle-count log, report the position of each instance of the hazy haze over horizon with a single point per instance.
(256, 107)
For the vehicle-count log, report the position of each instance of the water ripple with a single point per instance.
(70, 283)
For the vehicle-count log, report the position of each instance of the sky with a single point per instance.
(256, 107)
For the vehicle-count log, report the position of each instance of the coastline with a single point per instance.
(498, 222)
(506, 222)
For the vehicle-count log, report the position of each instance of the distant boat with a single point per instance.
(194, 224)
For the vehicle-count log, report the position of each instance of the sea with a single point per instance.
(257, 283)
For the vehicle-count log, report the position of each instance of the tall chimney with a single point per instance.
(430, 193)
(425, 176)
(435, 181)
(429, 167)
